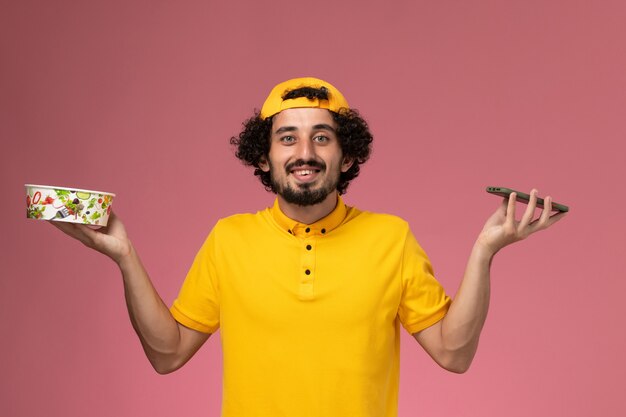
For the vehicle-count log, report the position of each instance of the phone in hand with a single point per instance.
(524, 198)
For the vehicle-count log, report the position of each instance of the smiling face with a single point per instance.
(305, 158)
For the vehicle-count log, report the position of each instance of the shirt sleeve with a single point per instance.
(198, 302)
(424, 301)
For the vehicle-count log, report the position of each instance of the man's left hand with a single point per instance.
(501, 229)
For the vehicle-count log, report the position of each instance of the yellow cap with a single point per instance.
(275, 103)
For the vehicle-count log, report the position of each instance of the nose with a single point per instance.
(305, 150)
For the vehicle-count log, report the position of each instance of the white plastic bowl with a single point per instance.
(73, 205)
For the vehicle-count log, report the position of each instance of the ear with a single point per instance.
(263, 164)
(346, 164)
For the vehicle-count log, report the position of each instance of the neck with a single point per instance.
(308, 214)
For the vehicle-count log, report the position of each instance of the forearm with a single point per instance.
(463, 324)
(157, 330)
(167, 344)
(453, 341)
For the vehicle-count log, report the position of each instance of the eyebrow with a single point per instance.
(321, 126)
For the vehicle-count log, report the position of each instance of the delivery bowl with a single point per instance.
(73, 205)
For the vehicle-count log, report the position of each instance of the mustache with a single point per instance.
(301, 162)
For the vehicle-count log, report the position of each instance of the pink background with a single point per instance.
(140, 98)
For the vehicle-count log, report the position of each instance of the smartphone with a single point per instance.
(524, 198)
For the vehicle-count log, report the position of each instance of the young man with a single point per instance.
(310, 294)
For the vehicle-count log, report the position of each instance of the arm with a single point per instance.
(167, 344)
(452, 342)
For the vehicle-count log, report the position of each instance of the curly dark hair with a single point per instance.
(253, 143)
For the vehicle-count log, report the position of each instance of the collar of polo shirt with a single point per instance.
(320, 227)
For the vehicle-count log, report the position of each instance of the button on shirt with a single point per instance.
(310, 314)
(309, 236)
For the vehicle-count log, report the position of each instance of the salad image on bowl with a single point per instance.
(54, 203)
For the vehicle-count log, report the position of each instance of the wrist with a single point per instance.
(483, 252)
(127, 258)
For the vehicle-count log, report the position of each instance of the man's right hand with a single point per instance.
(110, 240)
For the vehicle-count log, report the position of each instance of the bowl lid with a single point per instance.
(68, 189)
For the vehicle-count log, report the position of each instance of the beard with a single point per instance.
(307, 194)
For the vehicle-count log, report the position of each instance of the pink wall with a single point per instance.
(141, 97)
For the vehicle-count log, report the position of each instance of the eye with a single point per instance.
(287, 139)
(321, 139)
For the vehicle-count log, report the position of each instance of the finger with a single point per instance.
(67, 228)
(530, 209)
(541, 222)
(546, 220)
(510, 210)
(551, 219)
(503, 205)
(77, 231)
(547, 209)
(555, 218)
(501, 211)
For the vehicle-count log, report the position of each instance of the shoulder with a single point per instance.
(382, 220)
(235, 229)
(379, 225)
(244, 226)
(240, 221)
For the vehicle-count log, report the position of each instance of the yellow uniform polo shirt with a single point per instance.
(310, 314)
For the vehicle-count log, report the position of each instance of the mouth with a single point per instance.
(304, 172)
(305, 175)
